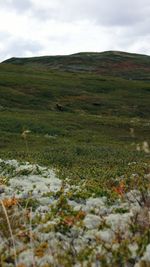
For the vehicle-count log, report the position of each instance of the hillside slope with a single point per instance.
(85, 122)
(115, 63)
(108, 83)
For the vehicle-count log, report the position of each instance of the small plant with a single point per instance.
(24, 135)
(9, 227)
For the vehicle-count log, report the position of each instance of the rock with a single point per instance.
(106, 235)
(97, 205)
(119, 221)
(92, 221)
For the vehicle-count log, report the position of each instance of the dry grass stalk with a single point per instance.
(10, 230)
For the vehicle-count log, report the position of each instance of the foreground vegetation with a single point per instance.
(46, 221)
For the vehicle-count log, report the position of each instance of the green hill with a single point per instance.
(79, 108)
(109, 83)
(114, 63)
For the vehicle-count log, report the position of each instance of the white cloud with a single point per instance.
(35, 27)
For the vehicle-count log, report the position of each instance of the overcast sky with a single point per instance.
(50, 27)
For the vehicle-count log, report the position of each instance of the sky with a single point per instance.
(57, 27)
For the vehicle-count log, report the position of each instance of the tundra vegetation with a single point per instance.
(86, 119)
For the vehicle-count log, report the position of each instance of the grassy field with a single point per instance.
(85, 122)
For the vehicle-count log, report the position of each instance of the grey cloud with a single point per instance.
(123, 24)
(132, 16)
(108, 12)
(43, 14)
(19, 47)
(101, 12)
(17, 5)
(4, 35)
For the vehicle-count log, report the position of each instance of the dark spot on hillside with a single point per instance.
(59, 107)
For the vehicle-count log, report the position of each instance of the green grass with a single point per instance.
(30, 89)
(90, 138)
(80, 146)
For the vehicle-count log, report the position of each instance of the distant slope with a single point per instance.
(114, 63)
(109, 83)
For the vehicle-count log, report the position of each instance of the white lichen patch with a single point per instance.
(29, 180)
(51, 226)
(92, 221)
